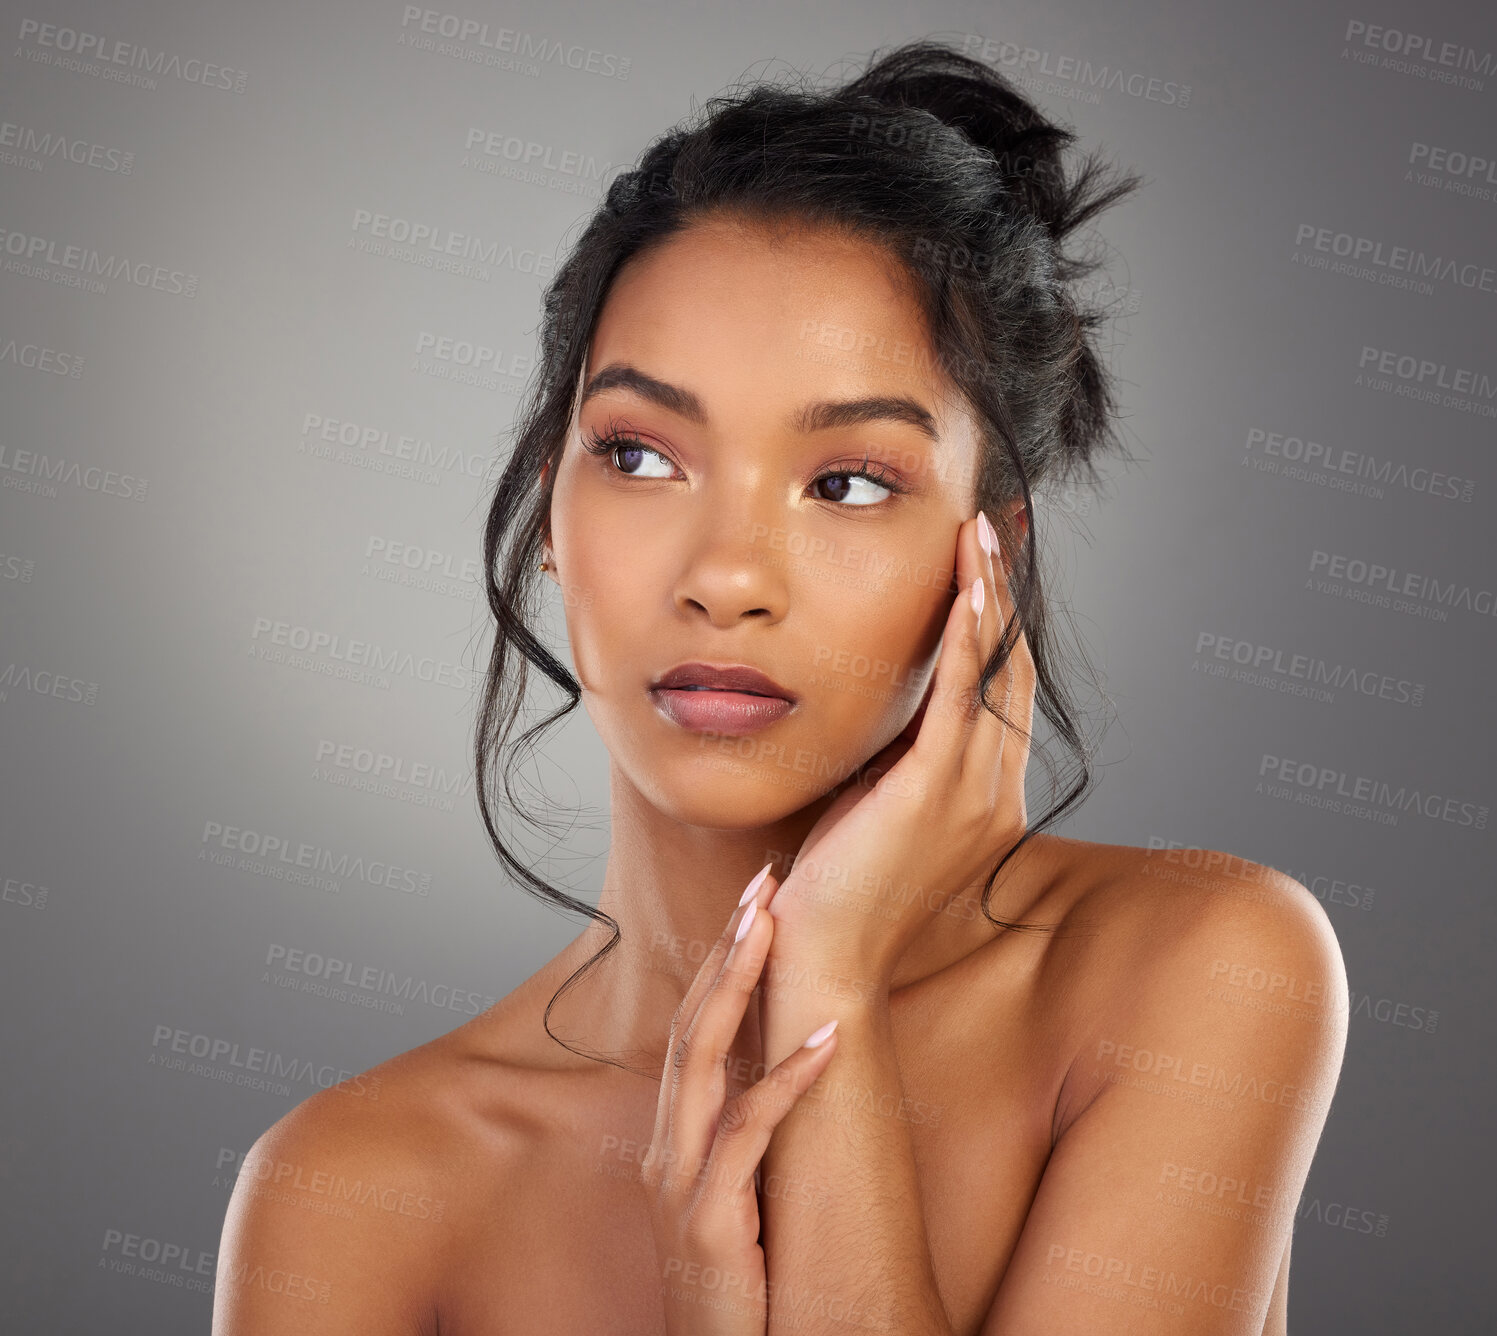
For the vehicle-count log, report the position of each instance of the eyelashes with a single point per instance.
(612, 440)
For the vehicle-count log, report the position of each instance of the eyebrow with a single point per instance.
(820, 416)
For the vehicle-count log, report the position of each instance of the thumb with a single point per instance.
(912, 729)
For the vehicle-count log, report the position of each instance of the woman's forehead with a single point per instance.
(722, 303)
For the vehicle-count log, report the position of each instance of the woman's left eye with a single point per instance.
(857, 488)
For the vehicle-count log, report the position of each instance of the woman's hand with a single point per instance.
(701, 1165)
(948, 801)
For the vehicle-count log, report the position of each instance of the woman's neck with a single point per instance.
(672, 889)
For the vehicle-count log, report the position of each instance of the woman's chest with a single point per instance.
(567, 1244)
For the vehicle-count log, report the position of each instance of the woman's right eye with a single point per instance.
(635, 461)
(630, 455)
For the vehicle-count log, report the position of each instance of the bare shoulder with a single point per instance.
(1198, 1007)
(1212, 952)
(347, 1211)
(1165, 910)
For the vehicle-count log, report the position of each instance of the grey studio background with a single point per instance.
(244, 448)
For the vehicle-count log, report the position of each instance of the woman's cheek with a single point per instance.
(594, 631)
(603, 645)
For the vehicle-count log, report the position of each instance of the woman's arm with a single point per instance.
(855, 1255)
(1168, 1202)
(288, 1266)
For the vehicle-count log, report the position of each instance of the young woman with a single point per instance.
(801, 377)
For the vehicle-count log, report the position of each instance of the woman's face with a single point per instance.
(730, 524)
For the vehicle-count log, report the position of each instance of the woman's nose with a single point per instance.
(731, 571)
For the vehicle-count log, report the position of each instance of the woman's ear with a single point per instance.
(548, 559)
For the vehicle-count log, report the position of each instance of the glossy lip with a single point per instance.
(720, 677)
(729, 699)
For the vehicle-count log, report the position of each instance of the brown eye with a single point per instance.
(629, 454)
(858, 487)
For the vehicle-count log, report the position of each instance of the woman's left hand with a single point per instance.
(947, 803)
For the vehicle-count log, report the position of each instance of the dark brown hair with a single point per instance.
(937, 158)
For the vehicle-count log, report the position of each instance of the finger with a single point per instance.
(707, 972)
(698, 1060)
(912, 729)
(715, 957)
(998, 749)
(748, 1120)
(953, 707)
(981, 759)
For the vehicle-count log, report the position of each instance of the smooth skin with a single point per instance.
(1103, 1128)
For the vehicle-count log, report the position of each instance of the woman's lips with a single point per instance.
(728, 712)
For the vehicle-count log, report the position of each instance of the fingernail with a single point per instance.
(979, 594)
(819, 1037)
(754, 885)
(986, 534)
(743, 924)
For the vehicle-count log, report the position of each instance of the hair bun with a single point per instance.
(1027, 147)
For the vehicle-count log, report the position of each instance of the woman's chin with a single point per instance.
(719, 792)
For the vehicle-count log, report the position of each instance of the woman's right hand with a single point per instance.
(700, 1168)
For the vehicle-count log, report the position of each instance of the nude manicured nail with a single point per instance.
(743, 923)
(754, 885)
(979, 594)
(986, 534)
(818, 1037)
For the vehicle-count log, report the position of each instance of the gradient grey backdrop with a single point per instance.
(265, 427)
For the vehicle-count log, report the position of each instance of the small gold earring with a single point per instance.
(544, 564)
